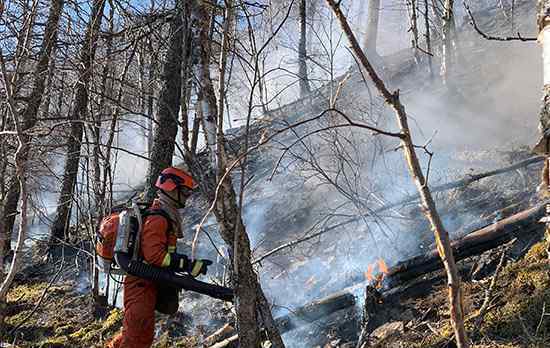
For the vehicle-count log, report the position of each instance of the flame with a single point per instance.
(379, 277)
(368, 273)
(382, 266)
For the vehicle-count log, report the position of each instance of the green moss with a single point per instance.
(165, 341)
(26, 292)
(55, 342)
(99, 329)
(524, 289)
(537, 252)
(64, 330)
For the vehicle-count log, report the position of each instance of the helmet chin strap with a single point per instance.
(177, 202)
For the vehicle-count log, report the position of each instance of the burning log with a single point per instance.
(477, 242)
(315, 310)
(373, 300)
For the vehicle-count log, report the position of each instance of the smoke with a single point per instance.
(488, 107)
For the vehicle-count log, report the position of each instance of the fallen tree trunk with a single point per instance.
(467, 180)
(477, 242)
(315, 310)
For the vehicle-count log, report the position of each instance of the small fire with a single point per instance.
(379, 277)
(382, 266)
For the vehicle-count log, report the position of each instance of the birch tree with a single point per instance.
(448, 43)
(252, 308)
(370, 41)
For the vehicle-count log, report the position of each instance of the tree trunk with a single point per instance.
(77, 116)
(208, 102)
(166, 129)
(302, 52)
(448, 41)
(371, 36)
(250, 304)
(186, 75)
(428, 37)
(29, 119)
(226, 210)
(413, 18)
(543, 146)
(441, 236)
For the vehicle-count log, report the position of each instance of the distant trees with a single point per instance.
(302, 51)
(371, 35)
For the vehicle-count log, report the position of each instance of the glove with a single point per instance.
(181, 263)
(198, 267)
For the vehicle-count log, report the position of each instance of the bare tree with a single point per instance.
(252, 308)
(428, 204)
(302, 52)
(448, 43)
(370, 41)
(166, 129)
(77, 116)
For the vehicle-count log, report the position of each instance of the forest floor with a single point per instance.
(55, 312)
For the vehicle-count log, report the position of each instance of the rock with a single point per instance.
(389, 329)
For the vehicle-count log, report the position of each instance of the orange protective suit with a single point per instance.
(140, 295)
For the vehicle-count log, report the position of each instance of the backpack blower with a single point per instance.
(117, 247)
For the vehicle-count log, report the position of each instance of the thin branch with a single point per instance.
(490, 37)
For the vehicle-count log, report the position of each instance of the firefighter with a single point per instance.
(158, 247)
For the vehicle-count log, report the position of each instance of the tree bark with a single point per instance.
(428, 204)
(206, 88)
(29, 119)
(166, 129)
(77, 116)
(302, 52)
(413, 17)
(543, 146)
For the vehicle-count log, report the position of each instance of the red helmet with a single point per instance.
(172, 178)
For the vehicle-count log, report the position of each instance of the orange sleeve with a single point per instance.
(154, 241)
